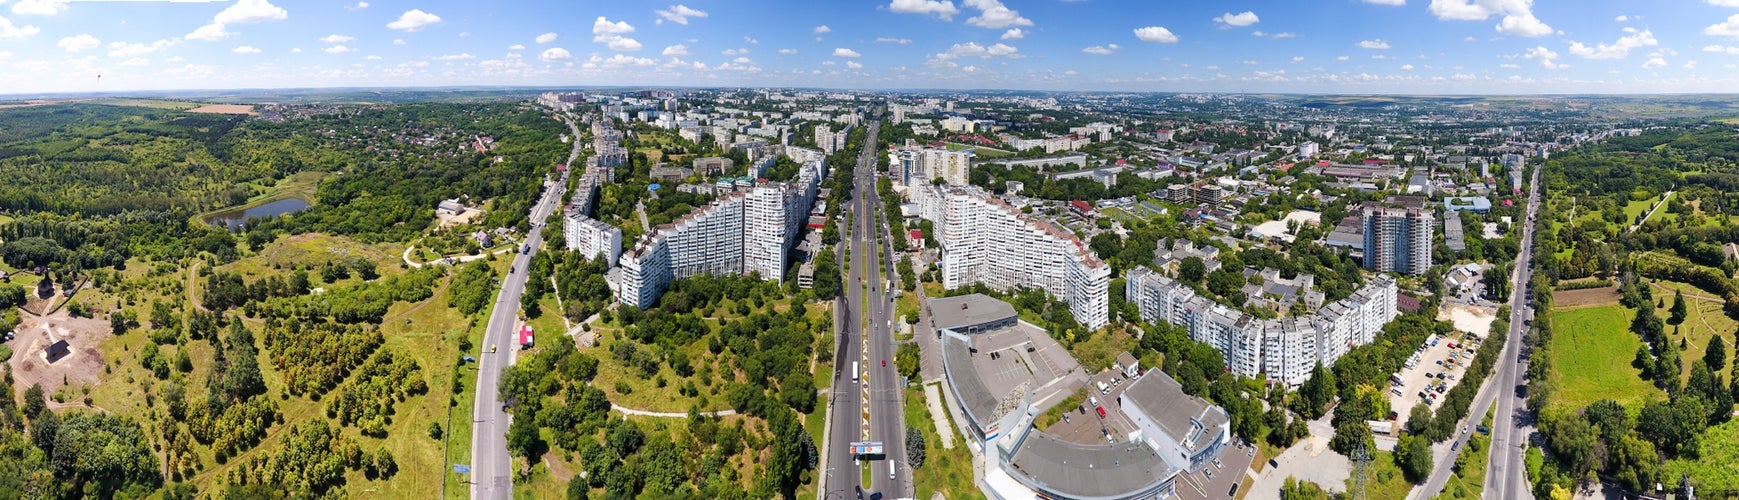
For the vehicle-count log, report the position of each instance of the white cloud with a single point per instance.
(1654, 62)
(39, 7)
(296, 50)
(456, 57)
(1406, 67)
(251, 11)
(210, 33)
(746, 39)
(1387, 2)
(401, 41)
(820, 30)
(616, 61)
(1722, 49)
(1297, 59)
(1155, 34)
(610, 34)
(943, 9)
(1013, 34)
(1377, 44)
(1690, 64)
(1724, 3)
(1546, 57)
(335, 38)
(546, 38)
(8, 30)
(338, 49)
(1518, 15)
(557, 54)
(679, 14)
(1229, 20)
(358, 6)
(1342, 58)
(1730, 28)
(994, 15)
(517, 46)
(1616, 50)
(676, 50)
(78, 43)
(901, 41)
(121, 50)
(1101, 50)
(845, 52)
(787, 51)
(1509, 66)
(1621, 19)
(413, 20)
(853, 65)
(734, 52)
(245, 49)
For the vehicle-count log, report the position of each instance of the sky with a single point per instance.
(1293, 46)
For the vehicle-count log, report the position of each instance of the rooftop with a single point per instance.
(1163, 399)
(952, 313)
(1088, 470)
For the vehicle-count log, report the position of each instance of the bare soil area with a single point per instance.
(1585, 297)
(224, 109)
(82, 365)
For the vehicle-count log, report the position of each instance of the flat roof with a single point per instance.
(1089, 470)
(954, 313)
(1045, 375)
(1162, 399)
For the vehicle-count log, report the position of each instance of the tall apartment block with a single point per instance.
(584, 234)
(1398, 235)
(1285, 349)
(985, 240)
(912, 166)
(740, 233)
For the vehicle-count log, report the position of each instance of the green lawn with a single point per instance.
(1591, 354)
(1703, 321)
(1386, 479)
(948, 472)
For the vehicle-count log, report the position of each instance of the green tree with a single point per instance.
(1716, 354)
(1191, 270)
(101, 454)
(1676, 315)
(1413, 454)
(915, 447)
(906, 359)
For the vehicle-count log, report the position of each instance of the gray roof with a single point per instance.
(975, 396)
(953, 313)
(1088, 470)
(1163, 400)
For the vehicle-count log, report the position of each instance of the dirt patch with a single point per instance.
(1468, 319)
(224, 109)
(450, 220)
(82, 365)
(1585, 297)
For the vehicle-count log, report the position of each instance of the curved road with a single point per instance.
(491, 474)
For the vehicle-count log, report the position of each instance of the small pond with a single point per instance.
(233, 219)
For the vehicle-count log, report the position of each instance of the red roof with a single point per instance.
(1121, 162)
(1373, 161)
(916, 234)
(561, 168)
(525, 335)
(1323, 163)
(1081, 205)
(1406, 302)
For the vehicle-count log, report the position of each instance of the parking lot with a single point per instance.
(1084, 425)
(1234, 461)
(1423, 376)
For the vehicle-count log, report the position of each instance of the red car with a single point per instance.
(884, 363)
(1101, 412)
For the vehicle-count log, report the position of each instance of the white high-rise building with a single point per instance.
(742, 232)
(984, 240)
(913, 166)
(1285, 349)
(1398, 234)
(592, 237)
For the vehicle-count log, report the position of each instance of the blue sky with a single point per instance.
(1338, 46)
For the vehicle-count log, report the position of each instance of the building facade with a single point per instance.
(985, 240)
(1398, 235)
(1285, 349)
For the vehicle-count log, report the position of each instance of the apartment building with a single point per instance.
(828, 140)
(921, 165)
(1398, 235)
(742, 232)
(591, 237)
(1285, 349)
(985, 240)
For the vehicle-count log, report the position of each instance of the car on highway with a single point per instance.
(491, 347)
(1456, 446)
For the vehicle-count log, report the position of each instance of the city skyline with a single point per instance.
(1346, 46)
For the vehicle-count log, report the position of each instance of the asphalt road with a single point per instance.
(1505, 474)
(491, 465)
(871, 348)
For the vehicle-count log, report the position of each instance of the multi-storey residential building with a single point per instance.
(828, 140)
(1179, 194)
(985, 240)
(914, 166)
(1398, 235)
(1285, 349)
(591, 237)
(748, 231)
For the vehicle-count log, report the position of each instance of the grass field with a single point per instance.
(149, 103)
(948, 472)
(301, 185)
(1703, 321)
(1591, 354)
(981, 151)
(1468, 482)
(1385, 480)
